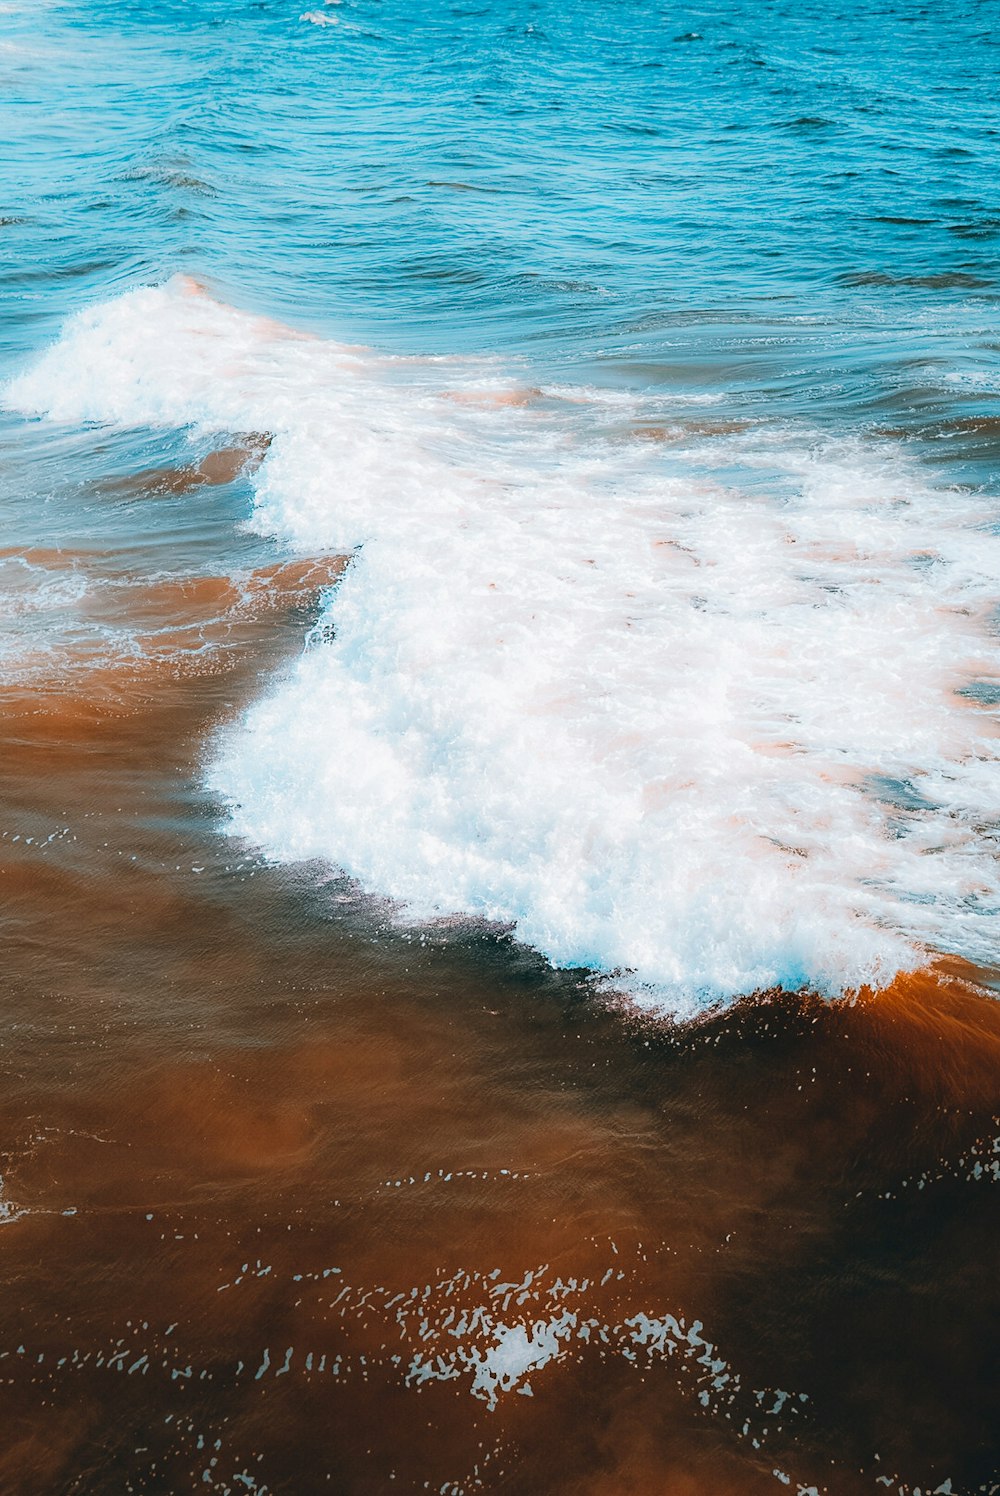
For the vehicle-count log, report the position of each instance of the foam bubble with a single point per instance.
(687, 715)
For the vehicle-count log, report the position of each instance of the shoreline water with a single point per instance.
(640, 364)
(264, 1167)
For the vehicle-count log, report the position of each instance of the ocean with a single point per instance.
(499, 779)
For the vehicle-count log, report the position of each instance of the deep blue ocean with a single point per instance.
(797, 201)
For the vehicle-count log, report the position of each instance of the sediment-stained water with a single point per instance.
(499, 770)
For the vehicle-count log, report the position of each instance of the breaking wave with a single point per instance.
(701, 705)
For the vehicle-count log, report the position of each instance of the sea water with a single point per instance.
(518, 482)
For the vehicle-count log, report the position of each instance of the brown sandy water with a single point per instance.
(294, 1202)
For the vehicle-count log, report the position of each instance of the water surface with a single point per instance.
(499, 650)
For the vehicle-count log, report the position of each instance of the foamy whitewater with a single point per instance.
(699, 707)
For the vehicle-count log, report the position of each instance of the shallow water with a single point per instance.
(499, 637)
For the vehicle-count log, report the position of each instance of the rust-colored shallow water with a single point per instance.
(294, 1203)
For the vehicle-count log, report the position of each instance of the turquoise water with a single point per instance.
(798, 201)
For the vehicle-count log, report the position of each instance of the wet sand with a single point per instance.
(293, 1201)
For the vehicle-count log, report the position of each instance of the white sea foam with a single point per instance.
(683, 713)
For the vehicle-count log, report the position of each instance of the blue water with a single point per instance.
(797, 202)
